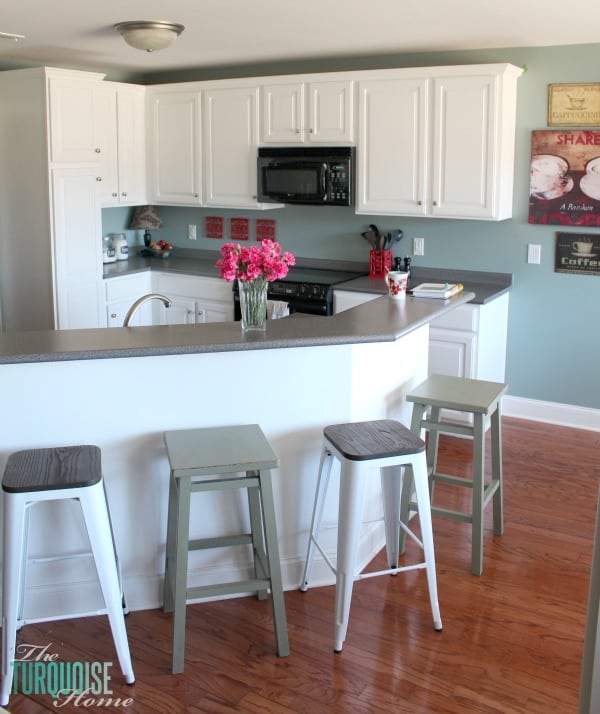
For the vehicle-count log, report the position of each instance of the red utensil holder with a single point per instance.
(380, 261)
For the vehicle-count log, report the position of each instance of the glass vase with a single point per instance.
(253, 304)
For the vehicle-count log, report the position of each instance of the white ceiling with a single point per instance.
(79, 33)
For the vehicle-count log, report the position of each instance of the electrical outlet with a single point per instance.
(418, 246)
(534, 253)
(191, 232)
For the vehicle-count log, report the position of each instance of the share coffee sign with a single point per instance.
(564, 186)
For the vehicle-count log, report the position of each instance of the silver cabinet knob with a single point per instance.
(124, 193)
(297, 131)
(98, 178)
(97, 150)
(113, 315)
(114, 194)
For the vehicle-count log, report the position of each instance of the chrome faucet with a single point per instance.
(140, 301)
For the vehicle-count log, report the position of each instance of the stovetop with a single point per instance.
(311, 283)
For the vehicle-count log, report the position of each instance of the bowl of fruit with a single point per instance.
(161, 249)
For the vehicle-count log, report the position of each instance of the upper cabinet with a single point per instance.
(307, 112)
(120, 136)
(438, 142)
(230, 141)
(72, 113)
(174, 146)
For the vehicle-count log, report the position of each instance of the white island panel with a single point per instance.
(124, 405)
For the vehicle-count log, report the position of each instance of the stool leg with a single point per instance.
(419, 470)
(391, 481)
(95, 513)
(352, 494)
(182, 537)
(272, 550)
(498, 498)
(433, 441)
(171, 545)
(317, 514)
(256, 530)
(12, 584)
(478, 492)
(405, 501)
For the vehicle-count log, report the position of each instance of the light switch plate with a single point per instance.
(534, 253)
(418, 246)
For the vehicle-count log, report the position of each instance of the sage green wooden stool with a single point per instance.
(482, 400)
(244, 456)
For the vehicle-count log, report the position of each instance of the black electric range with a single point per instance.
(306, 290)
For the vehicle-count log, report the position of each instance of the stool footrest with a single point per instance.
(220, 542)
(240, 586)
(391, 571)
(454, 480)
(445, 427)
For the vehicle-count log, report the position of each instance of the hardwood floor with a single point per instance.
(512, 641)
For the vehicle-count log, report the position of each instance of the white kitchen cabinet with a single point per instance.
(120, 294)
(72, 107)
(393, 146)
(320, 111)
(230, 140)
(77, 249)
(174, 146)
(120, 131)
(195, 299)
(468, 341)
(52, 255)
(438, 142)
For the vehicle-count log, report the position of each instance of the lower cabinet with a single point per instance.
(193, 299)
(121, 293)
(469, 341)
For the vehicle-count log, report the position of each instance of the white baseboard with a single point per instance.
(552, 413)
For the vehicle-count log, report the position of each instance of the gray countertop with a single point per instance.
(380, 320)
(485, 285)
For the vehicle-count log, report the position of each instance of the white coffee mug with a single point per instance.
(397, 281)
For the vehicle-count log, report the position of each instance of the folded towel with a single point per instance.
(277, 308)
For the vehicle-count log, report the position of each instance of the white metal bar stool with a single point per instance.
(239, 457)
(35, 475)
(481, 399)
(387, 445)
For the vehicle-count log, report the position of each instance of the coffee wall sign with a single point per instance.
(574, 105)
(564, 185)
(577, 253)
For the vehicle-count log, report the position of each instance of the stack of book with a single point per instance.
(437, 290)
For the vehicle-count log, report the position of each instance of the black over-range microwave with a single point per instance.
(311, 175)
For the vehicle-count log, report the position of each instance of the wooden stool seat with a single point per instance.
(195, 454)
(482, 400)
(389, 446)
(35, 475)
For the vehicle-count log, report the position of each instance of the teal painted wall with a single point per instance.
(554, 335)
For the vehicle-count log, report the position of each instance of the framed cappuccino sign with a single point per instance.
(574, 105)
(577, 253)
(564, 178)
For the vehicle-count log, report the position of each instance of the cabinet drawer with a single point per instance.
(464, 317)
(130, 286)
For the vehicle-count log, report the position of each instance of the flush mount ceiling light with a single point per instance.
(149, 35)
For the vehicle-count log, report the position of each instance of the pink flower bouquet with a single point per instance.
(248, 263)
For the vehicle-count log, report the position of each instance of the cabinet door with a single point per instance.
(463, 179)
(230, 131)
(282, 113)
(392, 148)
(181, 312)
(72, 113)
(175, 147)
(214, 311)
(452, 352)
(331, 112)
(77, 249)
(131, 144)
(105, 129)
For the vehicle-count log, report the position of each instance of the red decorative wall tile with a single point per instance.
(239, 228)
(214, 227)
(266, 228)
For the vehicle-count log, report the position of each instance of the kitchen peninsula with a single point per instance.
(121, 388)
